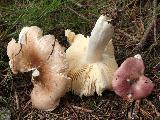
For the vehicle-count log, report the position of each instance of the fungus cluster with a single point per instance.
(88, 67)
(45, 58)
(91, 59)
(129, 80)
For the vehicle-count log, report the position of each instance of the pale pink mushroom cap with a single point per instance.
(46, 59)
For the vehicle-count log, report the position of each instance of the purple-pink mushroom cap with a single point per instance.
(129, 81)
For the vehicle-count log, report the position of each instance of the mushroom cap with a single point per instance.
(23, 56)
(142, 88)
(17, 61)
(45, 57)
(129, 81)
(86, 79)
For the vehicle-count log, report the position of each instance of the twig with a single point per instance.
(26, 105)
(154, 27)
(133, 110)
(144, 39)
(76, 3)
(151, 26)
(146, 114)
(96, 117)
(72, 109)
(133, 2)
(29, 114)
(81, 108)
(17, 100)
(127, 35)
(155, 18)
(153, 107)
(78, 14)
(157, 67)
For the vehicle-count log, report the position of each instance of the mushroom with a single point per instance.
(91, 59)
(129, 80)
(45, 58)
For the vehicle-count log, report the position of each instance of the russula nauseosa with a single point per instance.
(129, 81)
(44, 56)
(91, 59)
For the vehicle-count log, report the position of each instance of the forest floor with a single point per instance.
(135, 33)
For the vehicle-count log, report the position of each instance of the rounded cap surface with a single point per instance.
(129, 81)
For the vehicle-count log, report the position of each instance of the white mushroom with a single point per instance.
(91, 59)
(40, 54)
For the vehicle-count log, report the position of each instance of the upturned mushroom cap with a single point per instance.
(129, 81)
(91, 59)
(45, 58)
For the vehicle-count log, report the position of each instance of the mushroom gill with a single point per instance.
(91, 59)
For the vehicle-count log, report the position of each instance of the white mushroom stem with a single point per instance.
(100, 36)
